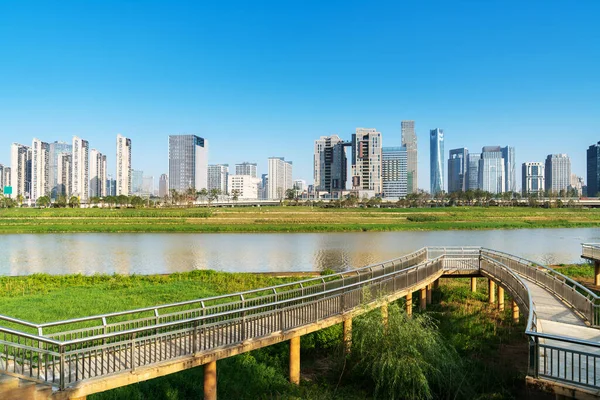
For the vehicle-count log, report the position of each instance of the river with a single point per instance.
(150, 253)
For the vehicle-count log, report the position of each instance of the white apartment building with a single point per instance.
(558, 173)
(246, 186)
(218, 177)
(246, 168)
(533, 178)
(64, 186)
(40, 169)
(97, 174)
(20, 157)
(280, 178)
(366, 165)
(80, 180)
(123, 166)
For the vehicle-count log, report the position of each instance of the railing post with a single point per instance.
(133, 352)
(62, 367)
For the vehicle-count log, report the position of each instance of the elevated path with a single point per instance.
(74, 358)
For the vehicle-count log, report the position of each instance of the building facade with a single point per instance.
(593, 170)
(218, 175)
(246, 168)
(137, 181)
(20, 165)
(57, 150)
(409, 140)
(492, 177)
(64, 186)
(163, 186)
(188, 163)
(473, 171)
(124, 178)
(532, 178)
(394, 172)
(366, 160)
(97, 174)
(510, 177)
(80, 181)
(40, 169)
(330, 164)
(280, 178)
(2, 178)
(558, 173)
(458, 170)
(245, 187)
(436, 161)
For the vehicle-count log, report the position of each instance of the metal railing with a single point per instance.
(591, 251)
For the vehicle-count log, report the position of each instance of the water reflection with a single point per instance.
(167, 253)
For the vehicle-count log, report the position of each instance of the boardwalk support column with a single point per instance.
(409, 305)
(597, 273)
(210, 381)
(515, 312)
(436, 283)
(500, 298)
(295, 360)
(429, 289)
(385, 315)
(491, 291)
(347, 335)
(473, 285)
(423, 298)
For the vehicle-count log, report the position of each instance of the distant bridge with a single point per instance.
(72, 359)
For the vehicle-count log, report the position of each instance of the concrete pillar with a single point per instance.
(597, 273)
(295, 360)
(515, 312)
(491, 291)
(347, 335)
(423, 298)
(409, 305)
(429, 290)
(384, 315)
(500, 298)
(210, 381)
(473, 285)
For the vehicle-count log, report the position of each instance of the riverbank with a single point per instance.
(291, 219)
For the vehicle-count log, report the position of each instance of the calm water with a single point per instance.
(165, 253)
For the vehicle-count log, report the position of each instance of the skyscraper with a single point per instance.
(436, 160)
(40, 168)
(533, 178)
(510, 182)
(7, 176)
(593, 170)
(280, 178)
(394, 172)
(137, 181)
(64, 181)
(81, 169)
(473, 171)
(218, 175)
(123, 166)
(163, 186)
(558, 173)
(492, 170)
(97, 174)
(330, 164)
(188, 162)
(366, 160)
(409, 140)
(458, 170)
(246, 168)
(2, 177)
(148, 186)
(20, 165)
(57, 150)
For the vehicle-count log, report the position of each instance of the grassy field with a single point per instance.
(290, 219)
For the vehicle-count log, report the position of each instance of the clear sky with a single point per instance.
(260, 79)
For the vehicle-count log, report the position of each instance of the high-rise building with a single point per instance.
(533, 178)
(366, 160)
(57, 150)
(263, 188)
(280, 178)
(163, 186)
(473, 171)
(148, 186)
(137, 180)
(20, 165)
(244, 186)
(458, 170)
(218, 175)
(2, 179)
(558, 173)
(123, 166)
(394, 172)
(81, 169)
(300, 185)
(409, 140)
(492, 171)
(436, 160)
(593, 170)
(40, 169)
(97, 174)
(576, 184)
(188, 163)
(330, 164)
(111, 186)
(510, 176)
(64, 168)
(246, 168)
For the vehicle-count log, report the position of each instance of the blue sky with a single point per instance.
(260, 79)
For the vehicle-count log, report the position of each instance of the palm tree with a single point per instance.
(43, 201)
(74, 202)
(20, 199)
(203, 194)
(213, 195)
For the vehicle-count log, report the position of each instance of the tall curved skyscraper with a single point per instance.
(436, 160)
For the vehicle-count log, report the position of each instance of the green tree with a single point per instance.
(203, 194)
(20, 200)
(43, 201)
(235, 195)
(74, 202)
(61, 201)
(213, 195)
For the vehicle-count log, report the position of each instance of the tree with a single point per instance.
(61, 201)
(43, 201)
(203, 194)
(235, 194)
(290, 194)
(20, 199)
(137, 202)
(74, 202)
(213, 195)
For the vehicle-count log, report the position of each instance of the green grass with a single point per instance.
(290, 219)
